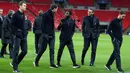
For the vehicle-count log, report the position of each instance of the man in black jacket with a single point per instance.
(37, 30)
(90, 32)
(7, 37)
(19, 32)
(48, 35)
(115, 32)
(67, 27)
(1, 21)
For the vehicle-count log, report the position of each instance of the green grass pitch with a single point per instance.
(104, 51)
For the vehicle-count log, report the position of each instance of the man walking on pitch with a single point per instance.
(48, 35)
(7, 37)
(37, 30)
(90, 32)
(115, 32)
(19, 32)
(67, 27)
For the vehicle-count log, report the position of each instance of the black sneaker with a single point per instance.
(1, 56)
(107, 67)
(120, 71)
(53, 66)
(10, 57)
(76, 66)
(91, 64)
(58, 65)
(17, 71)
(6, 53)
(35, 64)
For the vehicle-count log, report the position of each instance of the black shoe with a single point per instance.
(58, 65)
(1, 56)
(10, 57)
(82, 62)
(120, 71)
(53, 66)
(17, 71)
(6, 53)
(91, 64)
(76, 66)
(35, 64)
(107, 67)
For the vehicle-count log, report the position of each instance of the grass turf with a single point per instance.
(104, 51)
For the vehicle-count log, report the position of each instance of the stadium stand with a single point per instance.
(82, 3)
(121, 3)
(103, 15)
(35, 8)
(40, 1)
(58, 16)
(6, 6)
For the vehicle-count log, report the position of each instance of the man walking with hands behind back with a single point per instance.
(115, 32)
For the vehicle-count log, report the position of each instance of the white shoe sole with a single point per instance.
(120, 72)
(107, 68)
(76, 66)
(34, 64)
(16, 72)
(11, 64)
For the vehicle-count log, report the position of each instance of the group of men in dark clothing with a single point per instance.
(15, 28)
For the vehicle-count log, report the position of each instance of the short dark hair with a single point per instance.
(21, 3)
(70, 12)
(122, 12)
(40, 12)
(11, 12)
(91, 9)
(53, 6)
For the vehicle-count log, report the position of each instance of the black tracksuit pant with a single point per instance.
(4, 45)
(43, 47)
(116, 54)
(37, 39)
(71, 50)
(17, 58)
(94, 42)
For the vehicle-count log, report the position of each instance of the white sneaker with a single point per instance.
(76, 66)
(17, 71)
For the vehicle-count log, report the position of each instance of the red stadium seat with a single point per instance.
(40, 1)
(120, 3)
(7, 6)
(35, 8)
(82, 3)
(58, 16)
